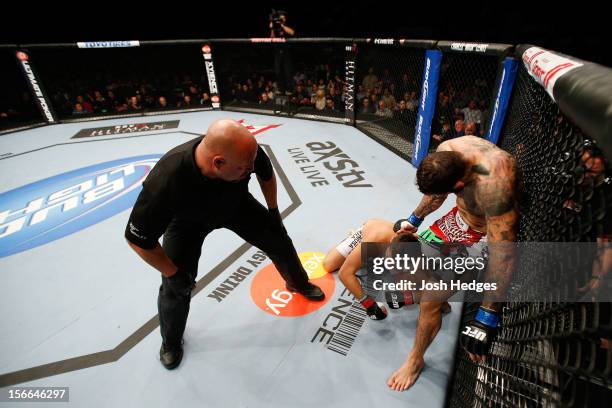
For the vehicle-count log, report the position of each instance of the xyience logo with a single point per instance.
(50, 209)
(269, 293)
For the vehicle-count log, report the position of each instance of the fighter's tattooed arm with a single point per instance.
(429, 204)
(497, 196)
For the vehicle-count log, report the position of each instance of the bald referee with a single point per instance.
(195, 188)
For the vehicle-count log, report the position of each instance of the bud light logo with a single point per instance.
(53, 208)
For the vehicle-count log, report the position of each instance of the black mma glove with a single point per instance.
(373, 309)
(411, 223)
(479, 333)
(277, 221)
(396, 299)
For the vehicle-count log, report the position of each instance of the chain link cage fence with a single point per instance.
(301, 79)
(90, 83)
(548, 354)
(387, 93)
(17, 106)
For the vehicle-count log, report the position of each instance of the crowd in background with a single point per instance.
(380, 94)
(462, 106)
(93, 97)
(130, 96)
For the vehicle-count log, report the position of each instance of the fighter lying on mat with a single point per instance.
(347, 258)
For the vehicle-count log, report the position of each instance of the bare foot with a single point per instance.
(406, 375)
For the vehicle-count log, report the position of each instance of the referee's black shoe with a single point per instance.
(171, 357)
(310, 291)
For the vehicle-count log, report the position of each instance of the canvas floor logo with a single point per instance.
(332, 160)
(254, 129)
(269, 293)
(50, 209)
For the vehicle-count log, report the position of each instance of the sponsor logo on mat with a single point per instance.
(269, 293)
(254, 129)
(50, 209)
(325, 158)
(127, 129)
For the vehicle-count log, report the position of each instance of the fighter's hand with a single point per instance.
(478, 334)
(403, 225)
(373, 309)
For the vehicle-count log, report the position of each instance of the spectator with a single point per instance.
(99, 103)
(193, 93)
(319, 100)
(87, 107)
(261, 85)
(445, 133)
(471, 113)
(389, 99)
(245, 94)
(162, 103)
(321, 84)
(370, 80)
(264, 99)
(412, 101)
(333, 94)
(329, 105)
(78, 109)
(300, 97)
(366, 108)
(374, 102)
(403, 114)
(269, 91)
(133, 104)
(185, 103)
(471, 129)
(313, 93)
(383, 110)
(205, 100)
(459, 129)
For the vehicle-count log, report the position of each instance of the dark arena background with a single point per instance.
(538, 85)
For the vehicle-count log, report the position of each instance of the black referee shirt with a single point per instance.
(175, 190)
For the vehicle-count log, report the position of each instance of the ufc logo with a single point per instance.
(475, 333)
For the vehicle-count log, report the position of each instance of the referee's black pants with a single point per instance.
(183, 245)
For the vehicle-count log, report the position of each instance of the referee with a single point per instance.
(195, 188)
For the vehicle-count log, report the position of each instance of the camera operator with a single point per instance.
(282, 58)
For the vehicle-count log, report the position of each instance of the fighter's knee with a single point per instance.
(332, 261)
(327, 264)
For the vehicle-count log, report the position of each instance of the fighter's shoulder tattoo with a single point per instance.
(496, 197)
(480, 169)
